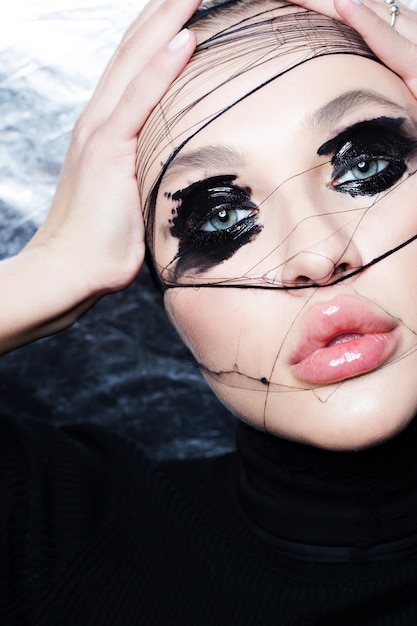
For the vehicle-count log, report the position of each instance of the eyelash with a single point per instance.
(223, 214)
(206, 199)
(388, 172)
(203, 245)
(379, 144)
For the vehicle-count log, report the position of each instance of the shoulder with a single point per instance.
(64, 494)
(81, 480)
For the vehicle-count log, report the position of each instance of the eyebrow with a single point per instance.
(206, 158)
(332, 112)
(218, 156)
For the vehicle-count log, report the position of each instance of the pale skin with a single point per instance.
(92, 241)
(310, 233)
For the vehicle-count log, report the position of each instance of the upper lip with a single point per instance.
(343, 315)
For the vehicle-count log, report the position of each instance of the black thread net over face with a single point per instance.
(226, 69)
(235, 200)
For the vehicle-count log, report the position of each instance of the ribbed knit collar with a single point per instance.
(329, 506)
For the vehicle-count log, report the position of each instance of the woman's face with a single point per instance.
(267, 226)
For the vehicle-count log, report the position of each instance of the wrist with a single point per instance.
(41, 295)
(88, 270)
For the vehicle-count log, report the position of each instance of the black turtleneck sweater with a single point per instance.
(275, 534)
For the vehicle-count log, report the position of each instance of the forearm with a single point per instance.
(41, 294)
(92, 241)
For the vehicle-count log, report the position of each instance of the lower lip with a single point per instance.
(347, 359)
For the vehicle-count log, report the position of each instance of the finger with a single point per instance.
(395, 50)
(325, 7)
(146, 12)
(136, 104)
(405, 22)
(383, 10)
(164, 21)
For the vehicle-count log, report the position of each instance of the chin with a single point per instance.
(335, 418)
(347, 436)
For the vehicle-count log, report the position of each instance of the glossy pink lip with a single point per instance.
(341, 339)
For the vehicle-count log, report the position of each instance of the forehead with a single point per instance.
(227, 68)
(291, 118)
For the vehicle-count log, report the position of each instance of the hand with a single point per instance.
(92, 241)
(95, 223)
(396, 47)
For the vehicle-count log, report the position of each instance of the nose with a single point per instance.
(320, 249)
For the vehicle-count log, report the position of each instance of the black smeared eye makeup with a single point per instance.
(212, 219)
(369, 157)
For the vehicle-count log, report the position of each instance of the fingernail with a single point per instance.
(358, 2)
(179, 40)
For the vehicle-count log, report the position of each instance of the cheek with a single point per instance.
(395, 284)
(230, 330)
(209, 322)
(391, 221)
(223, 330)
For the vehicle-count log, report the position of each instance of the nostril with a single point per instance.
(303, 280)
(318, 267)
(317, 279)
(343, 268)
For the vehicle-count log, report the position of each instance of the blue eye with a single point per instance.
(369, 157)
(214, 218)
(366, 168)
(225, 219)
